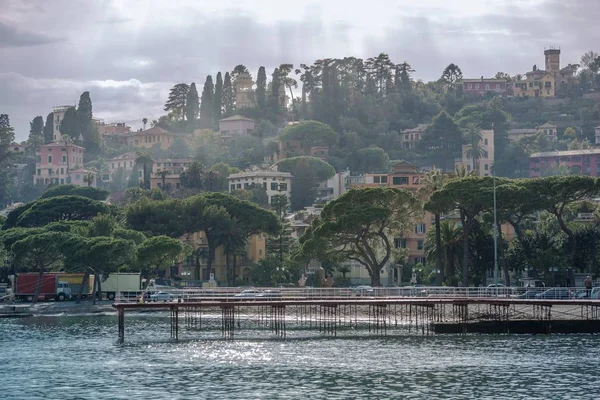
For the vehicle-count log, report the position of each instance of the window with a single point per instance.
(130, 164)
(477, 86)
(113, 165)
(232, 187)
(77, 176)
(264, 185)
(486, 167)
(400, 180)
(62, 181)
(530, 84)
(380, 179)
(50, 171)
(38, 158)
(470, 86)
(273, 185)
(39, 171)
(177, 185)
(416, 180)
(498, 86)
(62, 171)
(487, 86)
(119, 164)
(399, 243)
(246, 186)
(420, 228)
(485, 141)
(239, 185)
(419, 245)
(64, 159)
(49, 159)
(283, 186)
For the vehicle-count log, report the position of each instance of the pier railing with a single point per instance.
(231, 294)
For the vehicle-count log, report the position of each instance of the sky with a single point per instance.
(128, 54)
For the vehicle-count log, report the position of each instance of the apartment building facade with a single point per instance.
(56, 162)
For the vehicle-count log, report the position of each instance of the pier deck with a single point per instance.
(377, 315)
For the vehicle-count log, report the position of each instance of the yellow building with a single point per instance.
(255, 250)
(150, 137)
(485, 162)
(537, 83)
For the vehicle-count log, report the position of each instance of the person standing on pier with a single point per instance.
(588, 286)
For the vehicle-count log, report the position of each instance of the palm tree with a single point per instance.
(89, 178)
(449, 244)
(343, 269)
(163, 173)
(475, 150)
(212, 181)
(193, 176)
(432, 181)
(233, 240)
(144, 121)
(145, 159)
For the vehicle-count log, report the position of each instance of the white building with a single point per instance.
(273, 181)
(59, 113)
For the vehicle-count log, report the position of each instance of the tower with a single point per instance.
(244, 94)
(552, 57)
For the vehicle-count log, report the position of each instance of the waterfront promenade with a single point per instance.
(335, 312)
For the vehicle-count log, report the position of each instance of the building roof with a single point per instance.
(153, 131)
(598, 127)
(419, 128)
(259, 173)
(522, 131)
(128, 155)
(62, 144)
(485, 80)
(581, 152)
(547, 125)
(236, 118)
(403, 166)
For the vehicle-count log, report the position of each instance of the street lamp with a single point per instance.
(495, 236)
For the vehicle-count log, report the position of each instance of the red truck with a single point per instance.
(51, 288)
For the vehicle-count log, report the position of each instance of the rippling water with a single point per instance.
(78, 358)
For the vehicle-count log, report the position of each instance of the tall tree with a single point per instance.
(286, 80)
(228, 96)
(443, 141)
(359, 226)
(451, 75)
(7, 136)
(177, 100)
(145, 160)
(432, 181)
(87, 129)
(218, 98)
(192, 104)
(275, 88)
(207, 104)
(261, 88)
(238, 70)
(307, 173)
(475, 149)
(49, 129)
(158, 252)
(36, 133)
(69, 125)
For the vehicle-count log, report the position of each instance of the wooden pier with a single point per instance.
(377, 316)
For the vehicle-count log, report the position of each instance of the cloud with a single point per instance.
(11, 36)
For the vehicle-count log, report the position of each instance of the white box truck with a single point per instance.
(126, 284)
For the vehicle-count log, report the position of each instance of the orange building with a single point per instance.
(150, 137)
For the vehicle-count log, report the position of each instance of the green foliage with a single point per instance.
(61, 208)
(207, 104)
(261, 88)
(158, 252)
(157, 217)
(7, 136)
(268, 272)
(49, 129)
(254, 194)
(307, 172)
(369, 160)
(442, 141)
(73, 190)
(359, 226)
(177, 100)
(192, 105)
(228, 96)
(310, 133)
(69, 125)
(218, 98)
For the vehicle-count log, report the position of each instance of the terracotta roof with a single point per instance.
(236, 118)
(153, 131)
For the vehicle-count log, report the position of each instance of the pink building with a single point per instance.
(56, 161)
(236, 125)
(481, 86)
(583, 162)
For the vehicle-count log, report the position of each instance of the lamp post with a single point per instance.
(495, 236)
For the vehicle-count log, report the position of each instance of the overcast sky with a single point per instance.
(129, 53)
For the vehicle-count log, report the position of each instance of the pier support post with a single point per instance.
(121, 318)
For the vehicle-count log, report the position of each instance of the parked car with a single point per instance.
(162, 296)
(270, 294)
(248, 293)
(560, 293)
(530, 294)
(363, 290)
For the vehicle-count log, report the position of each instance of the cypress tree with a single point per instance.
(49, 129)
(192, 105)
(85, 125)
(207, 105)
(218, 98)
(69, 125)
(261, 88)
(36, 132)
(227, 94)
(275, 85)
